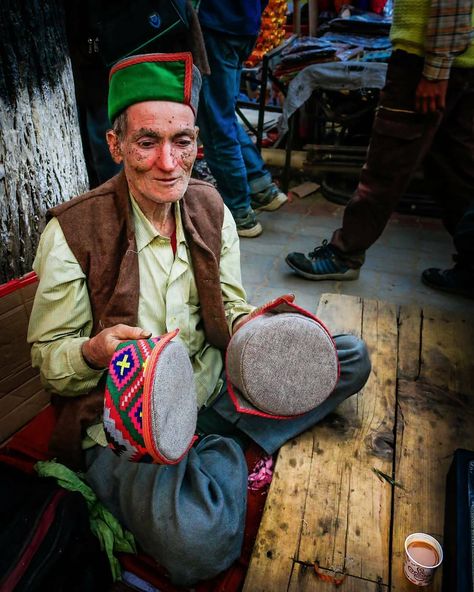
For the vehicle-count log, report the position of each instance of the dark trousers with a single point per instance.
(401, 140)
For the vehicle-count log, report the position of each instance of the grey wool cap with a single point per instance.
(150, 403)
(281, 363)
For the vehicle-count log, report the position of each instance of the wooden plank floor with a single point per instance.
(327, 503)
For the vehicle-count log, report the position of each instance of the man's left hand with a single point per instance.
(98, 350)
(245, 318)
(431, 95)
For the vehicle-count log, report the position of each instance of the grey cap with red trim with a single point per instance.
(281, 363)
(150, 403)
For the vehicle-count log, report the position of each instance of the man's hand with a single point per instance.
(98, 351)
(431, 95)
(245, 318)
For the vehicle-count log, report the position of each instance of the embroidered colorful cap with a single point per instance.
(153, 77)
(150, 404)
(281, 363)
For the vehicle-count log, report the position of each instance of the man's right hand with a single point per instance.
(98, 350)
(431, 95)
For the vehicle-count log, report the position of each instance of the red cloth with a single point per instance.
(30, 444)
(377, 6)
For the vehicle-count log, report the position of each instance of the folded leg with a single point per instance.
(190, 517)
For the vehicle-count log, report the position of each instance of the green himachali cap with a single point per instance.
(153, 77)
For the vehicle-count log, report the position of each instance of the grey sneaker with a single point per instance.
(270, 199)
(247, 224)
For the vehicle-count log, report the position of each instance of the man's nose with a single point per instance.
(165, 158)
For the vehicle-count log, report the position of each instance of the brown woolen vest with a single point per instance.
(98, 227)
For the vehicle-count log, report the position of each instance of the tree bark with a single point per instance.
(41, 158)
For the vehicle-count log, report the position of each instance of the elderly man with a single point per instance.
(148, 252)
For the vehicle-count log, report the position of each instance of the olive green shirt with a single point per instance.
(61, 319)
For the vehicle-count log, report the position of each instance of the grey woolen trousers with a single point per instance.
(190, 517)
(271, 434)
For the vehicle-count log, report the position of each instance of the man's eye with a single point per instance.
(184, 142)
(146, 144)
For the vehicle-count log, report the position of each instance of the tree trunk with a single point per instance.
(41, 158)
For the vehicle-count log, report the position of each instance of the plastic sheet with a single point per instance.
(330, 76)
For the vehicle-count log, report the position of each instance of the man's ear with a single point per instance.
(114, 146)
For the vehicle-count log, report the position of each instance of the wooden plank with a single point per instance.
(446, 352)
(341, 313)
(409, 329)
(430, 427)
(276, 547)
(277, 541)
(304, 579)
(433, 420)
(348, 509)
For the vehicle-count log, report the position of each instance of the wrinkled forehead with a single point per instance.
(160, 115)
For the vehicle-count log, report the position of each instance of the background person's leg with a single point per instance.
(264, 194)
(218, 123)
(257, 174)
(400, 139)
(449, 168)
(449, 165)
(190, 517)
(460, 278)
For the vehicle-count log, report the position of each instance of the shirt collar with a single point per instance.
(145, 232)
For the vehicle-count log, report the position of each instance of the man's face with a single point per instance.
(158, 149)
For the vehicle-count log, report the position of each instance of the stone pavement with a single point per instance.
(391, 273)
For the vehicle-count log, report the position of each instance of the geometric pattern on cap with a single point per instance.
(124, 366)
(124, 394)
(119, 445)
(135, 415)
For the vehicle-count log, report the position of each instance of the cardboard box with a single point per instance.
(21, 394)
(304, 189)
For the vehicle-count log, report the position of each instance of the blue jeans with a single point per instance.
(230, 153)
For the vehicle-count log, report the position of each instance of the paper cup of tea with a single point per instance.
(423, 554)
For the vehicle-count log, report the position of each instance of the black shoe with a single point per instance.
(457, 280)
(321, 264)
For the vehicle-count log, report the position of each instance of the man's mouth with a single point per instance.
(166, 181)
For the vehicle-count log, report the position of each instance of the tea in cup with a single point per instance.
(423, 554)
